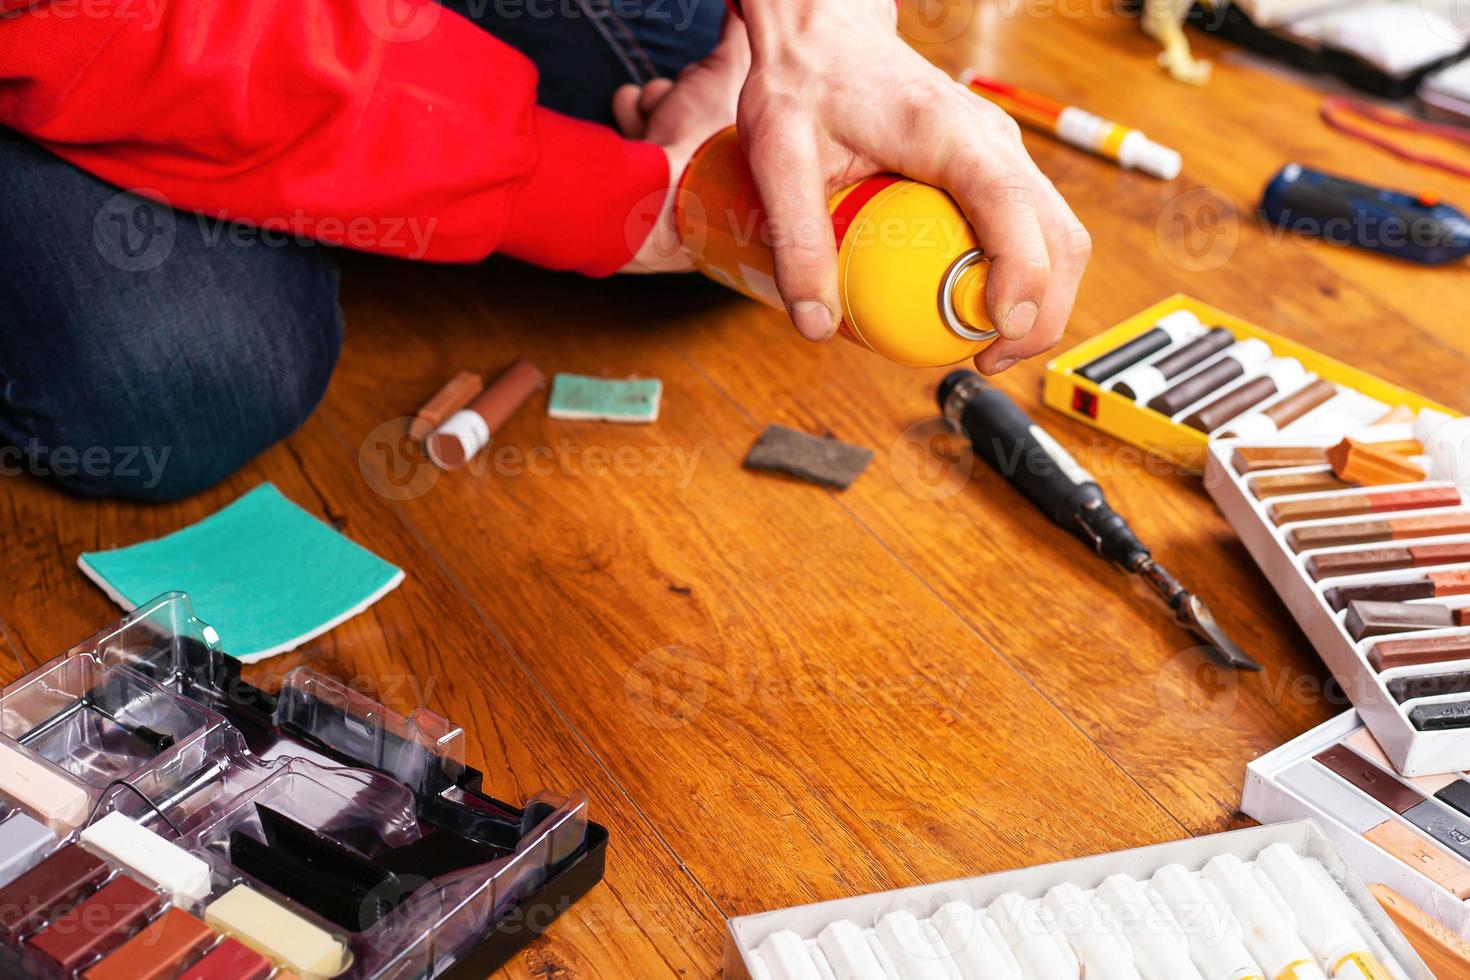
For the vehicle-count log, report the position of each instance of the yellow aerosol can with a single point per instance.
(910, 271)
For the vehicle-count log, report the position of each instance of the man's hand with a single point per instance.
(679, 116)
(834, 95)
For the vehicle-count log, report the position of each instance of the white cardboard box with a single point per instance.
(1413, 752)
(1268, 800)
(745, 933)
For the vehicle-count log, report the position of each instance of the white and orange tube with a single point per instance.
(1078, 127)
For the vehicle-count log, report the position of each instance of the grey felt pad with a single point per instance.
(824, 461)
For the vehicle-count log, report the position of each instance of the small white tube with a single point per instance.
(786, 957)
(911, 947)
(1269, 934)
(1033, 938)
(1102, 951)
(972, 943)
(1340, 951)
(1160, 951)
(848, 952)
(1213, 932)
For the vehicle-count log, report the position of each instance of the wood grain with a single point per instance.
(777, 694)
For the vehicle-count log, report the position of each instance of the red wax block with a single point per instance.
(101, 923)
(230, 960)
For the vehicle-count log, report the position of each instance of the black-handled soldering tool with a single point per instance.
(1034, 463)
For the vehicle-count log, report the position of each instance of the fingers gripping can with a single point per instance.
(909, 269)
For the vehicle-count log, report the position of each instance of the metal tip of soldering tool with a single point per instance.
(1191, 612)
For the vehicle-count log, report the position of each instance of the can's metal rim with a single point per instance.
(946, 298)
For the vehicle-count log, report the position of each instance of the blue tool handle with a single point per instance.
(1418, 228)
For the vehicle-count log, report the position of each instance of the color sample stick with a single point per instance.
(58, 801)
(1370, 465)
(1180, 325)
(157, 952)
(230, 960)
(1445, 953)
(1272, 942)
(457, 392)
(23, 843)
(277, 932)
(1456, 795)
(1443, 869)
(1270, 485)
(1245, 357)
(1278, 376)
(1160, 950)
(1352, 504)
(50, 886)
(1449, 829)
(1143, 381)
(1213, 931)
(1367, 618)
(1370, 532)
(1416, 651)
(1250, 459)
(1441, 717)
(1403, 689)
(1387, 559)
(1330, 936)
(1363, 742)
(470, 429)
(1435, 585)
(1271, 420)
(101, 923)
(150, 857)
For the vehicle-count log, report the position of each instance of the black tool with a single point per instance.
(1032, 461)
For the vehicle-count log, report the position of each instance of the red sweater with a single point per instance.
(344, 120)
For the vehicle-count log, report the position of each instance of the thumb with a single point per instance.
(788, 174)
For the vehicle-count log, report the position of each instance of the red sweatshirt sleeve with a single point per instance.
(349, 121)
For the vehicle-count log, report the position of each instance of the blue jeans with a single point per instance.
(149, 353)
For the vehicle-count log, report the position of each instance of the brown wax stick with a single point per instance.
(1210, 417)
(158, 952)
(1446, 954)
(1271, 485)
(1436, 585)
(1300, 402)
(457, 392)
(1417, 651)
(1351, 504)
(50, 886)
(100, 923)
(1368, 532)
(1249, 459)
(1366, 618)
(1372, 780)
(1197, 386)
(1387, 559)
(471, 428)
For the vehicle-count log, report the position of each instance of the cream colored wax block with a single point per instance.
(49, 796)
(277, 932)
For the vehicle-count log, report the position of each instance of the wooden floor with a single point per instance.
(772, 693)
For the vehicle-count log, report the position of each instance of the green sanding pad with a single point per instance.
(577, 396)
(267, 575)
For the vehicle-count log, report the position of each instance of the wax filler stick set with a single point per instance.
(1410, 833)
(1269, 903)
(162, 819)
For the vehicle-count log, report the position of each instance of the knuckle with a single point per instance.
(1079, 241)
(1008, 188)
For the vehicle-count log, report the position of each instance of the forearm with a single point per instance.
(302, 116)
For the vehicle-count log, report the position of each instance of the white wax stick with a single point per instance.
(1270, 936)
(1033, 938)
(1340, 951)
(786, 957)
(1212, 930)
(1351, 913)
(977, 950)
(1103, 953)
(1160, 951)
(848, 953)
(184, 876)
(910, 947)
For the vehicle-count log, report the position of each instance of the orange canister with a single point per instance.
(909, 269)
